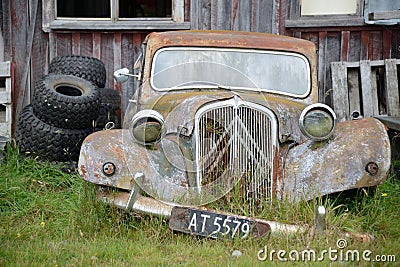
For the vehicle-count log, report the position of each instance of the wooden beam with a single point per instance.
(354, 91)
(149, 24)
(392, 88)
(24, 80)
(340, 90)
(368, 90)
(328, 22)
(384, 15)
(374, 63)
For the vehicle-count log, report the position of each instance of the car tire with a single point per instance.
(39, 139)
(88, 68)
(66, 101)
(110, 96)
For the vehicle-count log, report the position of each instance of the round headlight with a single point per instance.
(317, 122)
(146, 126)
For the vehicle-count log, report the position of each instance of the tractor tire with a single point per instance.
(88, 68)
(110, 96)
(39, 139)
(66, 101)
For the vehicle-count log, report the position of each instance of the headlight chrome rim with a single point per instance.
(322, 107)
(146, 114)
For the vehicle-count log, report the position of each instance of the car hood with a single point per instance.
(179, 109)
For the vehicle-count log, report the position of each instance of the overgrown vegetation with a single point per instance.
(50, 218)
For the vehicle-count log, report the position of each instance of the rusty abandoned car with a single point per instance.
(217, 110)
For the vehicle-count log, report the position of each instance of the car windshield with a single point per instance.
(176, 68)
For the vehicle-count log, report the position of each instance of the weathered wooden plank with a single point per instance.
(18, 13)
(345, 43)
(64, 44)
(5, 69)
(234, 19)
(6, 29)
(392, 88)
(244, 16)
(264, 13)
(354, 53)
(364, 45)
(86, 44)
(374, 63)
(223, 12)
(39, 58)
(107, 56)
(127, 61)
(328, 22)
(194, 15)
(205, 15)
(354, 91)
(52, 46)
(24, 93)
(178, 8)
(187, 9)
(76, 43)
(96, 45)
(275, 18)
(254, 15)
(322, 40)
(384, 15)
(214, 15)
(375, 45)
(395, 45)
(387, 44)
(332, 55)
(283, 11)
(368, 90)
(117, 56)
(49, 10)
(156, 24)
(340, 90)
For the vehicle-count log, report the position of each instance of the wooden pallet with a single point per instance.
(368, 89)
(5, 103)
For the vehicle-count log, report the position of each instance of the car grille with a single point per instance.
(238, 139)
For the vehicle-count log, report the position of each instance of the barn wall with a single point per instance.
(252, 15)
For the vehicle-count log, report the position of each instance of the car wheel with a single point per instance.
(37, 138)
(66, 101)
(88, 68)
(110, 96)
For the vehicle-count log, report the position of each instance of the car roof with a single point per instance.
(230, 39)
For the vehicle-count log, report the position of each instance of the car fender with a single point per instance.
(320, 168)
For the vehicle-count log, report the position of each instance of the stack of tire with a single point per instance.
(67, 105)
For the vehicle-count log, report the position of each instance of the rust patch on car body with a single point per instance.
(339, 164)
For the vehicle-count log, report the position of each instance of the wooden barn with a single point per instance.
(33, 32)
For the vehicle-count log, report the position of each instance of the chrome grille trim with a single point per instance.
(240, 137)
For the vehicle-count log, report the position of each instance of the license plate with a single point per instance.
(215, 225)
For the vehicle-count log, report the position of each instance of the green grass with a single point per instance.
(50, 218)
